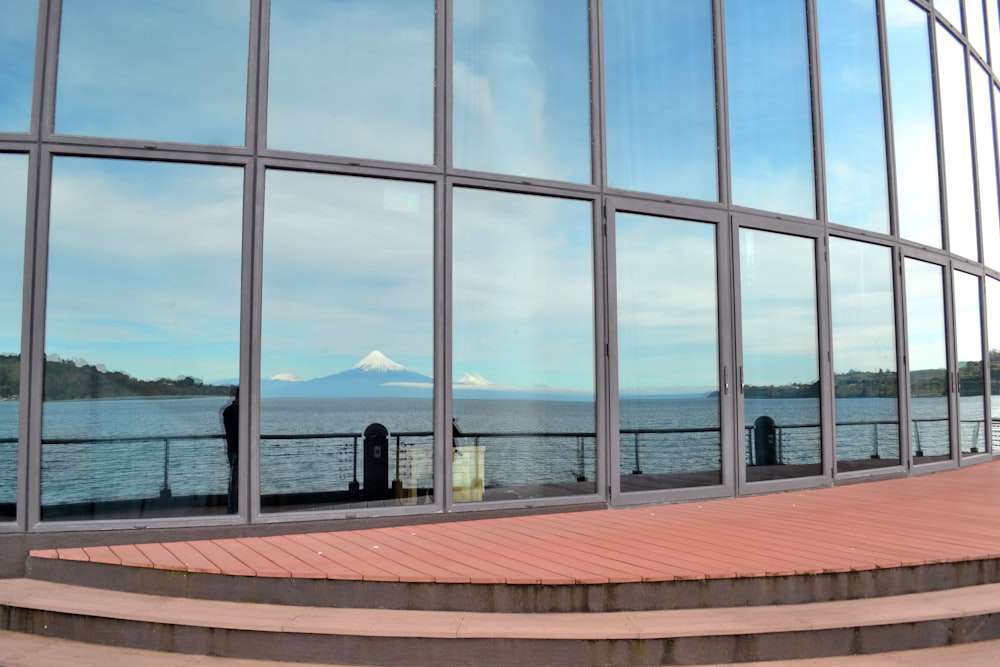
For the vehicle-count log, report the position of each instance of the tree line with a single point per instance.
(75, 379)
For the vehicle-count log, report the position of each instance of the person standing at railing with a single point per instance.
(231, 425)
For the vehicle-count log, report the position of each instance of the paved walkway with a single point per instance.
(945, 517)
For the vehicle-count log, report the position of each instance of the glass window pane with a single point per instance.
(853, 117)
(347, 342)
(352, 78)
(770, 112)
(914, 125)
(521, 73)
(660, 79)
(865, 381)
(668, 354)
(975, 25)
(993, 327)
(927, 354)
(961, 200)
(141, 338)
(993, 28)
(18, 23)
(951, 10)
(167, 70)
(781, 396)
(969, 347)
(986, 162)
(13, 197)
(523, 347)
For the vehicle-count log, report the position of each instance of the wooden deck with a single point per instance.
(946, 517)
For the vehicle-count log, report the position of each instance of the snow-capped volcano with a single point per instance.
(374, 376)
(376, 362)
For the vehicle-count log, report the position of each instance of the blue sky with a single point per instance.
(13, 196)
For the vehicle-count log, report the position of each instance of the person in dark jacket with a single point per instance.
(231, 425)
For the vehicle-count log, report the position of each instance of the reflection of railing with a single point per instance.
(583, 455)
(637, 463)
(779, 438)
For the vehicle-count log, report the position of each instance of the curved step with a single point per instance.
(389, 637)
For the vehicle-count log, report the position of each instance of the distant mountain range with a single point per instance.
(374, 376)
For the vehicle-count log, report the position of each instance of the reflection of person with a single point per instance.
(456, 433)
(231, 424)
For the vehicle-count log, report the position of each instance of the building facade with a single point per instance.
(461, 255)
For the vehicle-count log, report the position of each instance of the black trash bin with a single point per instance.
(765, 444)
(376, 475)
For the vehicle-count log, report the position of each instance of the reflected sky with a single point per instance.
(348, 269)
(660, 96)
(968, 325)
(925, 316)
(522, 88)
(18, 23)
(144, 267)
(352, 77)
(864, 337)
(668, 335)
(961, 199)
(989, 206)
(951, 10)
(778, 308)
(770, 115)
(914, 125)
(853, 119)
(993, 316)
(523, 296)
(170, 70)
(13, 198)
(975, 24)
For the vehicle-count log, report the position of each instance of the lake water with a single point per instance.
(131, 448)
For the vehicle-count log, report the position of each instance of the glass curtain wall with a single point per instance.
(522, 347)
(927, 352)
(780, 343)
(13, 199)
(668, 353)
(865, 381)
(141, 337)
(347, 342)
(993, 329)
(986, 165)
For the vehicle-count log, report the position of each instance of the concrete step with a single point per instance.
(23, 650)
(434, 595)
(354, 636)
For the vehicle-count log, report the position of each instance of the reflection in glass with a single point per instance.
(864, 354)
(347, 342)
(975, 25)
(18, 23)
(969, 347)
(780, 356)
(989, 205)
(770, 112)
(927, 354)
(141, 337)
(853, 120)
(521, 72)
(170, 70)
(951, 10)
(993, 327)
(523, 347)
(13, 197)
(668, 351)
(993, 28)
(961, 199)
(352, 78)
(660, 81)
(913, 122)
